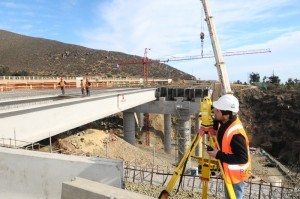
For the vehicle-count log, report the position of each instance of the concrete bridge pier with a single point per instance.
(129, 127)
(140, 120)
(184, 133)
(197, 125)
(167, 136)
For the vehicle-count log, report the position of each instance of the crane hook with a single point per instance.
(201, 36)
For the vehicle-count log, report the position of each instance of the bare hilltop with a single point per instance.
(48, 57)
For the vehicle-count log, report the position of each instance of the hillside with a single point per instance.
(47, 57)
(272, 120)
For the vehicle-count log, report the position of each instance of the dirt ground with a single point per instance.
(108, 145)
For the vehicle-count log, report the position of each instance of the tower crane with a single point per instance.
(145, 61)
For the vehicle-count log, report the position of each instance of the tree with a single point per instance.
(264, 78)
(4, 71)
(238, 82)
(274, 80)
(21, 73)
(290, 82)
(254, 77)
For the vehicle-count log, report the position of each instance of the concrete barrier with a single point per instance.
(81, 188)
(35, 175)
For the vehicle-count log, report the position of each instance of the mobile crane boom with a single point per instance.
(220, 64)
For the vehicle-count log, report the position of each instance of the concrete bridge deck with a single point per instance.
(36, 118)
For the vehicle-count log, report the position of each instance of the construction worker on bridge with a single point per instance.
(82, 86)
(87, 87)
(62, 83)
(234, 151)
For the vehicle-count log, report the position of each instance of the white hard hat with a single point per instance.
(227, 103)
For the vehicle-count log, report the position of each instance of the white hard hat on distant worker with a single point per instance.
(227, 103)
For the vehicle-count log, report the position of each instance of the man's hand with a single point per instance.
(213, 153)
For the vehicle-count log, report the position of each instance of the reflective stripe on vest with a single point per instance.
(235, 172)
(238, 167)
(234, 128)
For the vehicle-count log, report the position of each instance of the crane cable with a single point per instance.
(202, 31)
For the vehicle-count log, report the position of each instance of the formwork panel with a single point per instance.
(199, 93)
(179, 92)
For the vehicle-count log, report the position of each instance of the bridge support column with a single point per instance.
(184, 132)
(167, 137)
(141, 120)
(129, 127)
(197, 151)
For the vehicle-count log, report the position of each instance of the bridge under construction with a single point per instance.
(182, 102)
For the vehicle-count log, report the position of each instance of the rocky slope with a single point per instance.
(272, 120)
(47, 57)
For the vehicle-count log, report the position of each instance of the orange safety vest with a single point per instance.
(235, 172)
(87, 84)
(62, 83)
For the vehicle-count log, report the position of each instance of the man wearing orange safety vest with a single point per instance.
(87, 87)
(62, 83)
(234, 144)
(82, 85)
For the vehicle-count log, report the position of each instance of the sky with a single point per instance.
(171, 28)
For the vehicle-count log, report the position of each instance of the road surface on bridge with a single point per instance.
(20, 99)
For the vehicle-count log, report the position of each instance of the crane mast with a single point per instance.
(220, 64)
